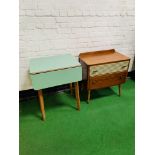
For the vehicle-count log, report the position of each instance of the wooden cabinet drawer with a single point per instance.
(108, 68)
(107, 80)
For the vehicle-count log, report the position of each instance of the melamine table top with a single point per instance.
(51, 63)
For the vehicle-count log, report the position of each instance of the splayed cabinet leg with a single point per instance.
(88, 96)
(119, 89)
(77, 95)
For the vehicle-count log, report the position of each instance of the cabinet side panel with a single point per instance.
(84, 70)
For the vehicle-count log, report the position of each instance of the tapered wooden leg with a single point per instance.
(77, 95)
(41, 101)
(71, 88)
(88, 96)
(119, 88)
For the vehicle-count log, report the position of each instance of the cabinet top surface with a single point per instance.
(51, 63)
(100, 57)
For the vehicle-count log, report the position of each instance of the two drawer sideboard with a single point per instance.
(104, 69)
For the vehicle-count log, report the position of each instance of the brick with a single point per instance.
(22, 12)
(60, 44)
(75, 24)
(62, 19)
(71, 12)
(64, 30)
(43, 13)
(45, 45)
(27, 26)
(92, 12)
(72, 43)
(83, 40)
(78, 12)
(29, 13)
(44, 5)
(63, 13)
(49, 25)
(28, 5)
(55, 13)
(90, 24)
(86, 13)
(83, 24)
(64, 25)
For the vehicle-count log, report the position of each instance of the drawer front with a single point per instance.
(55, 78)
(107, 80)
(108, 68)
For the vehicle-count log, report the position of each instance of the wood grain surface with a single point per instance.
(101, 57)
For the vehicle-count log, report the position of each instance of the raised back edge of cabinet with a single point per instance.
(101, 57)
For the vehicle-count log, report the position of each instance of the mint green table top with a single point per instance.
(54, 70)
(44, 64)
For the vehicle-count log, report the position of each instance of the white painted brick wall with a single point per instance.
(50, 27)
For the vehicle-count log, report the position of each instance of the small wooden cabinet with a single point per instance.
(104, 69)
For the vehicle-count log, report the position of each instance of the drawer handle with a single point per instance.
(124, 66)
(94, 71)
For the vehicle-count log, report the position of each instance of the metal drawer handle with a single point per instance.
(94, 71)
(124, 66)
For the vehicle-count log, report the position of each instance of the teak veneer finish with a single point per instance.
(101, 57)
(104, 69)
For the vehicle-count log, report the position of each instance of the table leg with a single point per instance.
(41, 101)
(71, 88)
(88, 96)
(77, 95)
(119, 88)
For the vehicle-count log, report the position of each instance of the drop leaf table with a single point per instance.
(52, 71)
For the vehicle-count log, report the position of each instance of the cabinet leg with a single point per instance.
(41, 101)
(82, 85)
(71, 88)
(119, 88)
(77, 95)
(88, 96)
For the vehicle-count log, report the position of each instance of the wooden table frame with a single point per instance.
(51, 71)
(41, 99)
